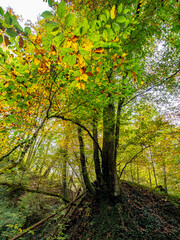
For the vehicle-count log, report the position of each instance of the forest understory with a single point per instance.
(141, 213)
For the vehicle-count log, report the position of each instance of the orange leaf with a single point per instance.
(53, 48)
(134, 77)
(100, 63)
(74, 38)
(82, 70)
(99, 50)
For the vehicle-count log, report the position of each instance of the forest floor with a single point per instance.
(141, 214)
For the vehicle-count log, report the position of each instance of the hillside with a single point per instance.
(143, 214)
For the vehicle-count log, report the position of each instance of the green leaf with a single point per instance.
(51, 26)
(70, 19)
(1, 39)
(27, 31)
(8, 18)
(50, 2)
(106, 12)
(59, 38)
(61, 9)
(70, 59)
(120, 8)
(64, 51)
(11, 32)
(105, 35)
(121, 19)
(1, 11)
(126, 11)
(115, 27)
(16, 24)
(47, 15)
(84, 26)
(103, 18)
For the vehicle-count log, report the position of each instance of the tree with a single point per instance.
(83, 67)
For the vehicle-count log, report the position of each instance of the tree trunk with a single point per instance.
(96, 154)
(149, 171)
(87, 181)
(109, 171)
(154, 170)
(164, 175)
(64, 173)
(117, 126)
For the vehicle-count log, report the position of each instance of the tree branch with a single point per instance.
(132, 160)
(147, 90)
(80, 125)
(26, 189)
(12, 150)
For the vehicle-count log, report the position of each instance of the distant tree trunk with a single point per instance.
(149, 171)
(109, 171)
(87, 181)
(154, 171)
(137, 168)
(131, 171)
(96, 154)
(64, 173)
(165, 175)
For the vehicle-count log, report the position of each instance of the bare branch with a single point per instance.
(12, 150)
(26, 189)
(148, 89)
(132, 160)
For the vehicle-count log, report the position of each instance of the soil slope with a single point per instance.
(141, 214)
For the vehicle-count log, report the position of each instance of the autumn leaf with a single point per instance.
(84, 77)
(6, 40)
(83, 70)
(113, 12)
(99, 50)
(38, 39)
(21, 42)
(74, 38)
(36, 61)
(123, 55)
(87, 44)
(80, 85)
(89, 74)
(134, 77)
(98, 70)
(53, 48)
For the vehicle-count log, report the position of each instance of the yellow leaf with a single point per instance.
(68, 44)
(124, 54)
(75, 47)
(87, 44)
(38, 39)
(36, 61)
(80, 85)
(113, 12)
(84, 77)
